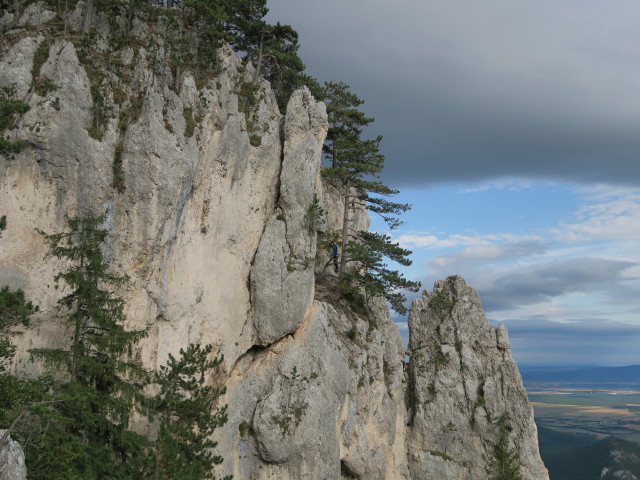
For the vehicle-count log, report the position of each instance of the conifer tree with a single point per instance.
(505, 461)
(16, 394)
(14, 310)
(19, 396)
(96, 402)
(187, 413)
(355, 170)
(345, 120)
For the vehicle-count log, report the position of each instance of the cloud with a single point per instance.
(430, 240)
(537, 283)
(466, 91)
(478, 254)
(507, 184)
(417, 240)
(614, 216)
(592, 341)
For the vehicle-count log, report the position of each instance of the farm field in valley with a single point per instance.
(590, 410)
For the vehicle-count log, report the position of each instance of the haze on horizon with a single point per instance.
(512, 129)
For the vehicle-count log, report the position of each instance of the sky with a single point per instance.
(512, 128)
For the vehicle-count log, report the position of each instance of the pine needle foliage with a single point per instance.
(505, 461)
(103, 386)
(10, 109)
(14, 310)
(186, 409)
(356, 165)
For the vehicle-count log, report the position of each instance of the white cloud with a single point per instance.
(612, 215)
(483, 243)
(514, 185)
(493, 251)
(417, 240)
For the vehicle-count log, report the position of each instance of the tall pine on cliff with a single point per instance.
(103, 386)
(77, 427)
(356, 165)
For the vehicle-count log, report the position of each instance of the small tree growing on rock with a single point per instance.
(504, 463)
(187, 413)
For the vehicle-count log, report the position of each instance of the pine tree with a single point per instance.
(14, 310)
(96, 402)
(505, 461)
(16, 394)
(355, 170)
(187, 413)
(345, 120)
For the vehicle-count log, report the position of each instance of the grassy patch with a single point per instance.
(245, 429)
(190, 123)
(441, 302)
(40, 56)
(118, 173)
(255, 140)
(437, 453)
(9, 109)
(44, 86)
(356, 303)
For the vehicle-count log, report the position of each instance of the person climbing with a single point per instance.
(334, 256)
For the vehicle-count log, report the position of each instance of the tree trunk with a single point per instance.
(334, 160)
(87, 17)
(130, 19)
(256, 75)
(345, 235)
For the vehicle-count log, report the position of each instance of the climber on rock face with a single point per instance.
(334, 255)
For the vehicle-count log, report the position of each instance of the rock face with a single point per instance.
(12, 466)
(207, 194)
(463, 384)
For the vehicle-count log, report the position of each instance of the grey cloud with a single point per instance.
(466, 91)
(467, 260)
(587, 341)
(538, 283)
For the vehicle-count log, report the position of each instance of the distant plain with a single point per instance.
(586, 407)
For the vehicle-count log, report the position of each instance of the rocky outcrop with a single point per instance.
(320, 402)
(463, 385)
(208, 193)
(12, 466)
(287, 248)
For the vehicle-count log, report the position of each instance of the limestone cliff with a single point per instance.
(207, 192)
(12, 466)
(463, 383)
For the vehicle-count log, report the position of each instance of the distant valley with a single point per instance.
(588, 420)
